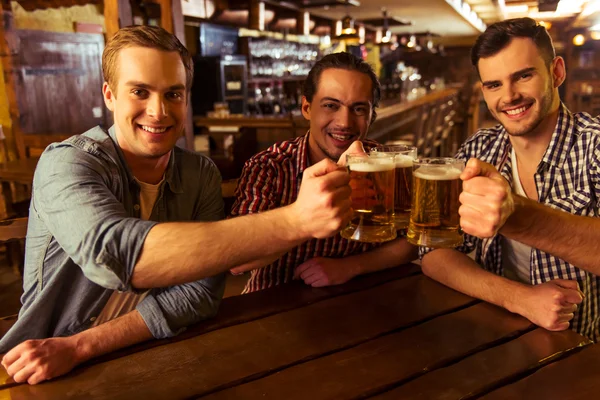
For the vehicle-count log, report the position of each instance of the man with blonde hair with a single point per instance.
(108, 261)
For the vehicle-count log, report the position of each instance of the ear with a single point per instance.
(305, 108)
(558, 71)
(109, 96)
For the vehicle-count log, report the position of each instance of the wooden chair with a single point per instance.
(12, 235)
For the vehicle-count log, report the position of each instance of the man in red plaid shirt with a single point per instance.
(341, 93)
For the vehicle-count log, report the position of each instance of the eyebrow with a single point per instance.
(512, 76)
(143, 85)
(358, 103)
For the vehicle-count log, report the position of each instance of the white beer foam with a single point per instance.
(367, 167)
(437, 173)
(403, 161)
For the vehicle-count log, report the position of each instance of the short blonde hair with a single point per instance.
(152, 37)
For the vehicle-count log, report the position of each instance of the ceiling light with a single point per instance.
(521, 8)
(545, 24)
(348, 26)
(578, 40)
(595, 35)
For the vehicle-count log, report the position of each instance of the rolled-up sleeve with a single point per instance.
(71, 194)
(168, 311)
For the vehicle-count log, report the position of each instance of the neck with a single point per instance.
(532, 147)
(147, 170)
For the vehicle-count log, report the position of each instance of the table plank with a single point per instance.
(375, 365)
(233, 355)
(576, 377)
(491, 368)
(240, 309)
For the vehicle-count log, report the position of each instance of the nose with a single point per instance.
(510, 94)
(343, 117)
(156, 107)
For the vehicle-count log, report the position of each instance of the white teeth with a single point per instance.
(338, 137)
(516, 111)
(153, 130)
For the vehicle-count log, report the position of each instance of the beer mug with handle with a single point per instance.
(372, 182)
(403, 158)
(434, 218)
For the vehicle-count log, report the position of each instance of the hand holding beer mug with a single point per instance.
(403, 158)
(372, 183)
(434, 218)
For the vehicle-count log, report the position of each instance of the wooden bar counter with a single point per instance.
(390, 335)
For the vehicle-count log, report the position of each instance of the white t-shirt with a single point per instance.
(120, 303)
(516, 256)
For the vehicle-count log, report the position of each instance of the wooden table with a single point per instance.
(391, 335)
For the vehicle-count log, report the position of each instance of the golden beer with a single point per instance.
(403, 157)
(434, 218)
(372, 182)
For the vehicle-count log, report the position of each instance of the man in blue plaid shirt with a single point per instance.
(531, 190)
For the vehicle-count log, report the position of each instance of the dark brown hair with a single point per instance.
(152, 37)
(499, 35)
(345, 61)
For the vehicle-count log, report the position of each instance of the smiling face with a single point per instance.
(519, 89)
(339, 114)
(149, 101)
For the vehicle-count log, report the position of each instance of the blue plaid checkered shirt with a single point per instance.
(567, 179)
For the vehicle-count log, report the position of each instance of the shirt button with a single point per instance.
(136, 207)
(92, 319)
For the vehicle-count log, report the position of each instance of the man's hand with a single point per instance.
(356, 148)
(551, 305)
(323, 205)
(320, 271)
(35, 361)
(486, 199)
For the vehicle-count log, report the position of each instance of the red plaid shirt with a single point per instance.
(271, 179)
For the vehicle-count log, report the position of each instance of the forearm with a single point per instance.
(389, 255)
(456, 270)
(260, 263)
(124, 331)
(566, 236)
(199, 250)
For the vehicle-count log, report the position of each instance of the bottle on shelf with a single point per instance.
(254, 96)
(266, 103)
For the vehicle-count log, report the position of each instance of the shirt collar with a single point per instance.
(562, 138)
(172, 176)
(302, 161)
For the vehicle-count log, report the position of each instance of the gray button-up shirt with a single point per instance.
(85, 236)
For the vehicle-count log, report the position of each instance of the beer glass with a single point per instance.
(372, 182)
(403, 158)
(434, 218)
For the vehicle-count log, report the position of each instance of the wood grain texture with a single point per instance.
(374, 365)
(573, 378)
(233, 355)
(490, 368)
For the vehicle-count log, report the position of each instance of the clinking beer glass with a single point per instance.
(403, 159)
(434, 218)
(372, 182)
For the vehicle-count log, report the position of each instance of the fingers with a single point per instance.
(321, 168)
(569, 284)
(559, 326)
(477, 167)
(11, 356)
(23, 374)
(337, 178)
(355, 148)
